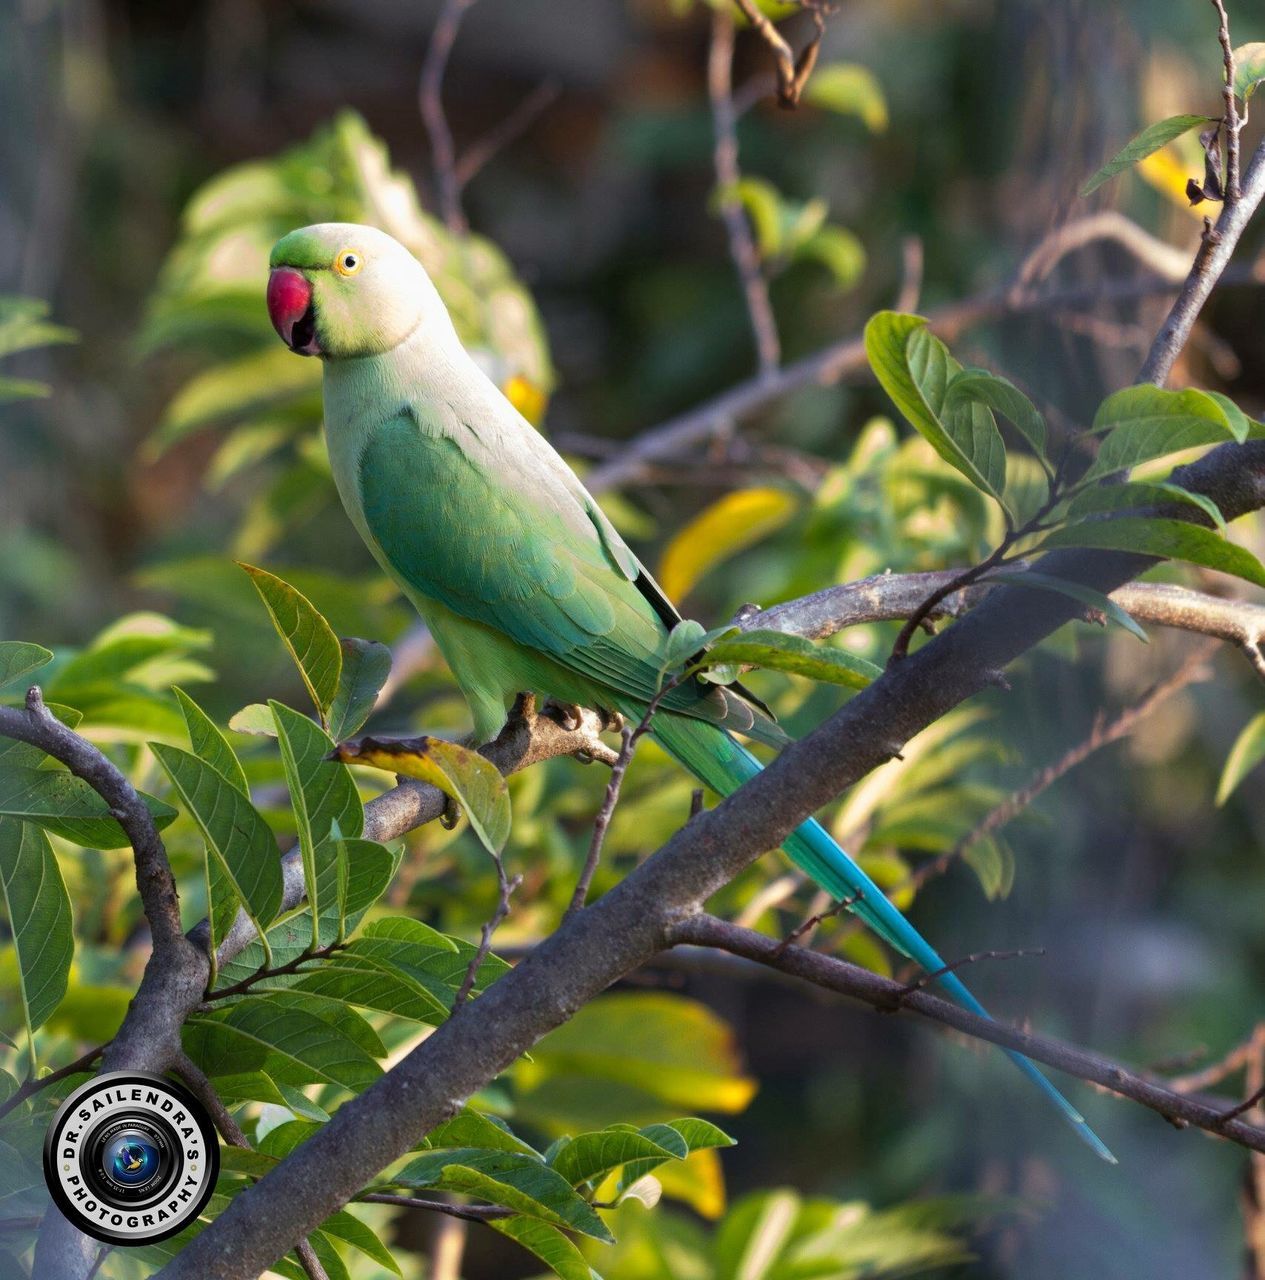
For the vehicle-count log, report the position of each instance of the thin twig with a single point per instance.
(629, 739)
(1104, 732)
(742, 245)
(925, 980)
(34, 1085)
(430, 99)
(505, 886)
(1231, 122)
(206, 1093)
(792, 72)
(881, 993)
(510, 129)
(1215, 250)
(466, 1212)
(278, 971)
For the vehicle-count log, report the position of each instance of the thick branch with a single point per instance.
(39, 727)
(637, 918)
(889, 996)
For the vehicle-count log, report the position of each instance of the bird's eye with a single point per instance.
(348, 262)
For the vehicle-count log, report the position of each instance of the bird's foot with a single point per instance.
(451, 814)
(566, 714)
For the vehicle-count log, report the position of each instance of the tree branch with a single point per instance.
(637, 918)
(430, 99)
(889, 997)
(742, 246)
(1215, 250)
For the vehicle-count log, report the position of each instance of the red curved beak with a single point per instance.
(291, 311)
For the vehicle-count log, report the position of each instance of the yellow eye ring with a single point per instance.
(348, 262)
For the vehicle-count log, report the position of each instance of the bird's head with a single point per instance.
(341, 290)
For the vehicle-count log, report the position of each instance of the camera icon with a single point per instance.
(131, 1158)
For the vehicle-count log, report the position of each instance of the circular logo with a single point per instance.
(131, 1158)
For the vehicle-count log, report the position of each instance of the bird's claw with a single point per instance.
(566, 714)
(451, 814)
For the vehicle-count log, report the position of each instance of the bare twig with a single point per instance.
(1167, 261)
(1231, 122)
(792, 72)
(883, 993)
(911, 265)
(630, 738)
(1215, 250)
(278, 971)
(1104, 732)
(466, 1212)
(742, 246)
(430, 100)
(34, 1085)
(846, 357)
(505, 886)
(510, 129)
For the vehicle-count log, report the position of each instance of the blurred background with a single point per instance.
(151, 155)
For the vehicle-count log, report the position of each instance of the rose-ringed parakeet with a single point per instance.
(522, 579)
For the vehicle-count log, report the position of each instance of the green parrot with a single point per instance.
(524, 582)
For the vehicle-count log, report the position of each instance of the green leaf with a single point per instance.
(1149, 422)
(366, 665)
(1152, 138)
(37, 907)
(1248, 751)
(67, 806)
(350, 1230)
(851, 90)
(473, 782)
(548, 1244)
(322, 795)
(367, 867)
(780, 651)
(915, 368)
(1002, 397)
(1249, 69)
(312, 644)
(259, 1086)
(254, 718)
(17, 659)
(993, 862)
(1076, 591)
(363, 979)
(210, 744)
(469, 1128)
(589, 1157)
(291, 1044)
(1167, 539)
(678, 1138)
(233, 831)
(520, 1182)
(836, 249)
(1140, 493)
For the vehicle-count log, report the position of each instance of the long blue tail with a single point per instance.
(723, 764)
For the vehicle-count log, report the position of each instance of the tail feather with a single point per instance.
(723, 764)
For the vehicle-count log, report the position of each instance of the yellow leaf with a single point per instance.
(1168, 172)
(735, 522)
(698, 1181)
(529, 399)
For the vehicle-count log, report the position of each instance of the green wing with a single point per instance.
(500, 532)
